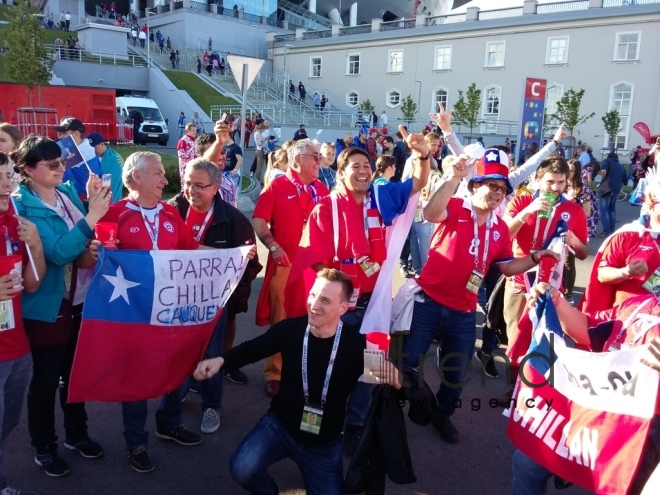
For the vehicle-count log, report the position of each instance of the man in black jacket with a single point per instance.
(215, 223)
(321, 362)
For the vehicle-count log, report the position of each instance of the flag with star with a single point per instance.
(147, 320)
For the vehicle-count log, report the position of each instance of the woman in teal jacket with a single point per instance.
(65, 229)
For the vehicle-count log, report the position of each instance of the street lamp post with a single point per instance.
(148, 11)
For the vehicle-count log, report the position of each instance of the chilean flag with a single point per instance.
(583, 416)
(147, 320)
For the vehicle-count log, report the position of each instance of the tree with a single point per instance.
(409, 110)
(612, 124)
(366, 106)
(28, 60)
(467, 108)
(568, 111)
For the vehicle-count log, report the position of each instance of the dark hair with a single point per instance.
(32, 150)
(13, 133)
(203, 140)
(4, 159)
(388, 139)
(342, 159)
(383, 163)
(332, 275)
(553, 165)
(576, 181)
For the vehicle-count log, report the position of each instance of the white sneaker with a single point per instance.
(210, 420)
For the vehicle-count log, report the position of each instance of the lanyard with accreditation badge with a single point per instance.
(151, 230)
(312, 413)
(198, 237)
(477, 276)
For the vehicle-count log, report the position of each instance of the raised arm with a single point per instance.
(436, 209)
(443, 121)
(421, 158)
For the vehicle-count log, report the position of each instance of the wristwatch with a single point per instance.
(273, 248)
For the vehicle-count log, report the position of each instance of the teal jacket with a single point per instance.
(61, 247)
(112, 163)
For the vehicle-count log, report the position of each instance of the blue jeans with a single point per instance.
(358, 403)
(168, 416)
(14, 378)
(457, 332)
(268, 442)
(607, 208)
(211, 389)
(529, 477)
(420, 243)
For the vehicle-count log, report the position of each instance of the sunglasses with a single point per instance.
(53, 164)
(494, 187)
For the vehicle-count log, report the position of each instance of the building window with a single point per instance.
(621, 96)
(552, 95)
(627, 46)
(442, 58)
(557, 51)
(492, 96)
(395, 61)
(353, 64)
(495, 53)
(315, 67)
(439, 96)
(352, 99)
(393, 98)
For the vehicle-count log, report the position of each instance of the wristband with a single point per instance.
(428, 156)
(555, 299)
(556, 142)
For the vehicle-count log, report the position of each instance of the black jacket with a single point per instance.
(229, 229)
(383, 447)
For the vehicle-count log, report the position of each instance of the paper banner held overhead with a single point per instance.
(253, 65)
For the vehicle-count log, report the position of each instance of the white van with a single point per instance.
(153, 128)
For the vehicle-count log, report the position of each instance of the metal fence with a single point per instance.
(551, 8)
(628, 3)
(500, 13)
(351, 30)
(80, 55)
(398, 24)
(445, 19)
(204, 7)
(312, 35)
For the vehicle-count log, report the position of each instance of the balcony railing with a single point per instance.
(398, 24)
(312, 35)
(551, 8)
(500, 14)
(204, 7)
(351, 30)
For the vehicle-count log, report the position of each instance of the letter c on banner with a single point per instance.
(535, 92)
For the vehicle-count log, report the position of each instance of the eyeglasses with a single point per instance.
(53, 164)
(316, 158)
(494, 187)
(196, 188)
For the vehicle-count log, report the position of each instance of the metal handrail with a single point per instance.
(398, 24)
(82, 55)
(551, 8)
(500, 13)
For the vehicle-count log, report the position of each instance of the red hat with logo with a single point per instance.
(493, 165)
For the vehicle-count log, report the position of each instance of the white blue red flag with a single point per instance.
(147, 319)
(583, 416)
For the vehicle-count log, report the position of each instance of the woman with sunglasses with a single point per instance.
(627, 258)
(65, 228)
(15, 358)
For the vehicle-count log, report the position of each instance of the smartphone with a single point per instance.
(227, 118)
(106, 180)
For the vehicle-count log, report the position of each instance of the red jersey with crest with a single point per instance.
(135, 232)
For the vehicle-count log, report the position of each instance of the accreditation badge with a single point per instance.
(311, 419)
(474, 282)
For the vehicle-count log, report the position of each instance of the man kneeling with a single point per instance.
(321, 362)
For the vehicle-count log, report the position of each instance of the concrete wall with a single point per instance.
(102, 75)
(99, 38)
(590, 64)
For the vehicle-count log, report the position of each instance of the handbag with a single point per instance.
(604, 189)
(42, 334)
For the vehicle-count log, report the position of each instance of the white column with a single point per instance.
(312, 6)
(529, 7)
(353, 15)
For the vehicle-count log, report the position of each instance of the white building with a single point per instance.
(606, 47)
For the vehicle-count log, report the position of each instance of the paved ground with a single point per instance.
(479, 464)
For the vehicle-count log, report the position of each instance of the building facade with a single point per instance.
(606, 47)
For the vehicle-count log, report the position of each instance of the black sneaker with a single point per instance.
(140, 459)
(447, 430)
(352, 436)
(52, 463)
(236, 376)
(487, 364)
(87, 448)
(180, 435)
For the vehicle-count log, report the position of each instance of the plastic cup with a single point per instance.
(378, 341)
(547, 265)
(106, 232)
(9, 263)
(551, 199)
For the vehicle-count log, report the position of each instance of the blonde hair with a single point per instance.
(277, 159)
(447, 162)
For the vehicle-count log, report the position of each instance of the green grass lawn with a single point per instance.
(203, 94)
